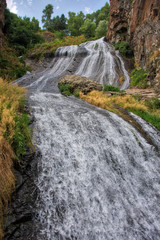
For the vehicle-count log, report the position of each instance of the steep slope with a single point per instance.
(138, 22)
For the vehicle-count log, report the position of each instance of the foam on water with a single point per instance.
(98, 177)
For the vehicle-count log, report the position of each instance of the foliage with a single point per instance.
(65, 89)
(111, 88)
(14, 136)
(58, 23)
(102, 28)
(46, 17)
(11, 67)
(100, 15)
(79, 23)
(153, 103)
(40, 49)
(75, 22)
(21, 32)
(123, 47)
(150, 113)
(88, 28)
(139, 78)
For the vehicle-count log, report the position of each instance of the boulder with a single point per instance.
(83, 84)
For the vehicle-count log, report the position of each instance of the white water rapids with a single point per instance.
(98, 177)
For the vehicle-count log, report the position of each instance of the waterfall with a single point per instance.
(98, 177)
(96, 60)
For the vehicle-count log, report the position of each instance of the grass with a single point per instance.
(149, 110)
(14, 137)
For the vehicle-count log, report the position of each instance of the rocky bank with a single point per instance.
(3, 5)
(138, 22)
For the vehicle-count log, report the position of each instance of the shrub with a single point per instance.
(139, 78)
(65, 88)
(123, 47)
(111, 88)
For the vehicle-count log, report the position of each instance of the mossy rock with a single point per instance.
(83, 84)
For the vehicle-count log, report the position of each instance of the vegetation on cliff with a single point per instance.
(14, 137)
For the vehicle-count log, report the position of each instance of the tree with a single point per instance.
(46, 17)
(102, 28)
(88, 28)
(21, 32)
(75, 22)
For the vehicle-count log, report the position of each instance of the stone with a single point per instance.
(83, 84)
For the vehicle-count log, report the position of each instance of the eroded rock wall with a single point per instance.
(3, 5)
(138, 22)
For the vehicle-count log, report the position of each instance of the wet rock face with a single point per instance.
(138, 22)
(3, 5)
(83, 84)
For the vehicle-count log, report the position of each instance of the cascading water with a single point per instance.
(98, 177)
(95, 59)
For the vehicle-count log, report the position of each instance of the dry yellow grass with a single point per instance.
(100, 99)
(10, 99)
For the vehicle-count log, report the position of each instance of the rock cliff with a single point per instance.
(2, 8)
(138, 22)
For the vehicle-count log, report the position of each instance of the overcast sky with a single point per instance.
(34, 8)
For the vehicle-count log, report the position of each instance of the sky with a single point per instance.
(34, 8)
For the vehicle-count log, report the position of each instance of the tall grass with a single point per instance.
(14, 135)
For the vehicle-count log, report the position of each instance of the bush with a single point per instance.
(65, 88)
(123, 47)
(111, 88)
(139, 78)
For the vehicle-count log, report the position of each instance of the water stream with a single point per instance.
(98, 178)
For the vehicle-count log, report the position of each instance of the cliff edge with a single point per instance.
(138, 22)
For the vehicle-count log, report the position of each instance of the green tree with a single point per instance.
(102, 28)
(46, 17)
(58, 23)
(75, 22)
(21, 32)
(88, 28)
